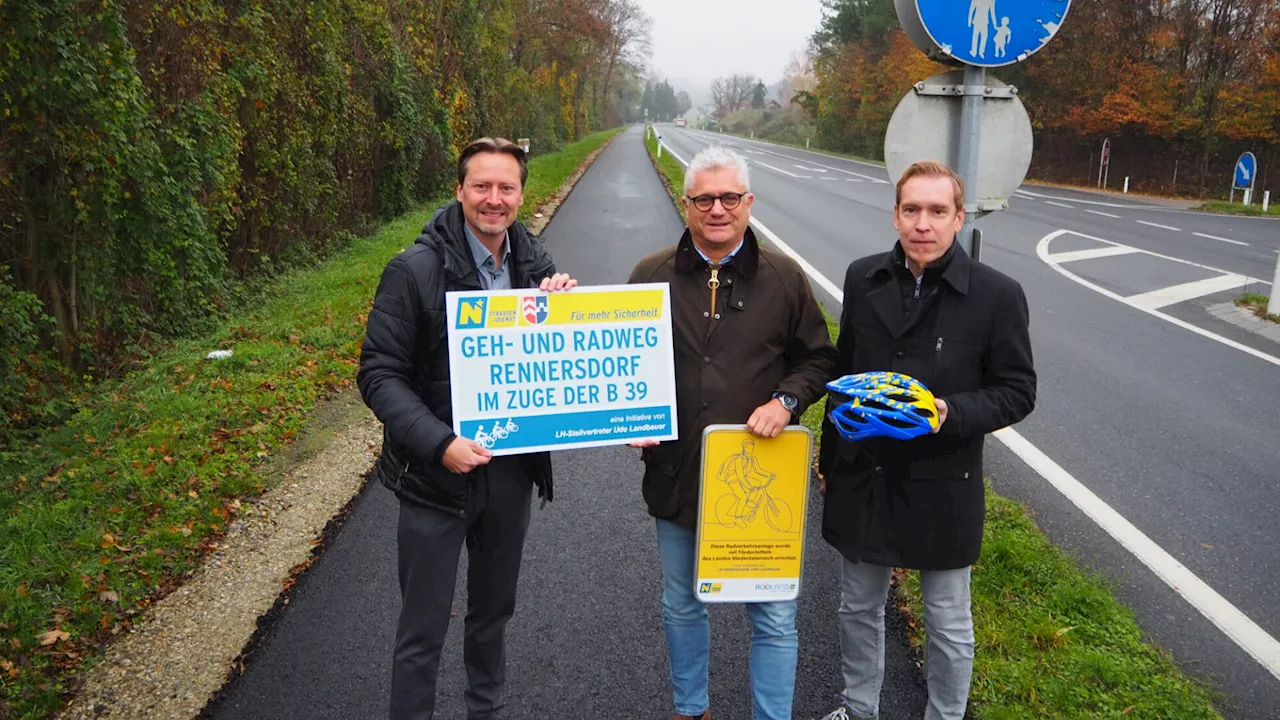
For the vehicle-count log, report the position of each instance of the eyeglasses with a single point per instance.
(728, 201)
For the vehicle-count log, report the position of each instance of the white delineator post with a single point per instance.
(1126, 184)
(1266, 201)
(1273, 306)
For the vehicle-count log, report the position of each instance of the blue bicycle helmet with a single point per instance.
(883, 404)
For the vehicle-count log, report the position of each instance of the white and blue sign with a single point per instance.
(1246, 171)
(532, 371)
(991, 33)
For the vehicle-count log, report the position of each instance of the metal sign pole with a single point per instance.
(975, 83)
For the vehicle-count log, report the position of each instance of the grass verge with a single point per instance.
(1257, 304)
(1052, 640)
(1229, 208)
(108, 513)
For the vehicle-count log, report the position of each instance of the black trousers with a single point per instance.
(429, 543)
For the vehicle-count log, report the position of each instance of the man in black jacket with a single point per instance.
(924, 309)
(451, 489)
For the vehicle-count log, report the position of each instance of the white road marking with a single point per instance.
(1226, 617)
(854, 180)
(827, 167)
(1099, 212)
(1175, 294)
(784, 172)
(1038, 196)
(1050, 202)
(1042, 249)
(1158, 225)
(1220, 239)
(832, 179)
(674, 154)
(1092, 254)
(809, 169)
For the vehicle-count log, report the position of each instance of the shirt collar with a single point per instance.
(481, 254)
(726, 258)
(952, 268)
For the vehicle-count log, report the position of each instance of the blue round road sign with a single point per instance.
(991, 33)
(1246, 170)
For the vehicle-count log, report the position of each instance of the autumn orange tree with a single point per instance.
(1180, 86)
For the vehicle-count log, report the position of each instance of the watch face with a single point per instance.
(788, 401)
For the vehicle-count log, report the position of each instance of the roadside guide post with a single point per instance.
(1244, 176)
(988, 143)
(1273, 306)
(1104, 167)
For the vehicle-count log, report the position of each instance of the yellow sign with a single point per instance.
(752, 510)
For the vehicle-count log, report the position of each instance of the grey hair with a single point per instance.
(717, 158)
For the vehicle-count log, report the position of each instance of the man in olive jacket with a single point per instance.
(751, 346)
(927, 310)
(452, 491)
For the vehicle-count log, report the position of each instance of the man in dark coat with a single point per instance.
(751, 346)
(927, 310)
(452, 491)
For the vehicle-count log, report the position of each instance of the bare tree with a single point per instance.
(797, 77)
(629, 41)
(683, 102)
(728, 93)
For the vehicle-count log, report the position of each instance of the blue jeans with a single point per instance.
(774, 641)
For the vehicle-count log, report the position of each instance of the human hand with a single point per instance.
(769, 419)
(558, 282)
(463, 455)
(942, 412)
(642, 444)
(822, 484)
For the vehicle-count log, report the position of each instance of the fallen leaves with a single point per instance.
(52, 637)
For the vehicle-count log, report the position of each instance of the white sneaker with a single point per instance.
(843, 713)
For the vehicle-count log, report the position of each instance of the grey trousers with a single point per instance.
(948, 624)
(430, 542)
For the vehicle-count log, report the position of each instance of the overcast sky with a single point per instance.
(695, 41)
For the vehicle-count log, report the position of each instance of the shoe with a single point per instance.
(706, 715)
(844, 713)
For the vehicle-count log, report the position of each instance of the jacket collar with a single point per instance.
(447, 229)
(953, 268)
(745, 262)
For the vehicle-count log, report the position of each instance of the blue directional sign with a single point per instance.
(991, 33)
(1246, 171)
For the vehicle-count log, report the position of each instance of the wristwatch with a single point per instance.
(788, 401)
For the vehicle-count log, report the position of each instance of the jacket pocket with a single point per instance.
(941, 468)
(661, 484)
(957, 366)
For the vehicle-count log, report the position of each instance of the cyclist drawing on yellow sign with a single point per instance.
(750, 486)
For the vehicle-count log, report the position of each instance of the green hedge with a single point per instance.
(158, 159)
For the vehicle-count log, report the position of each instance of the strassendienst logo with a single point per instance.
(707, 588)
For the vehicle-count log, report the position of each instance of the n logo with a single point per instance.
(471, 313)
(704, 588)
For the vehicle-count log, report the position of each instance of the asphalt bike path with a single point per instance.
(587, 638)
